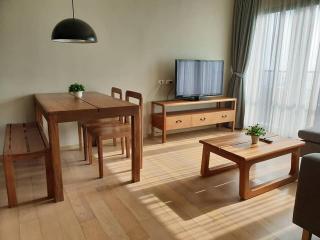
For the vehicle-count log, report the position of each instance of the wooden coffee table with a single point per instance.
(238, 149)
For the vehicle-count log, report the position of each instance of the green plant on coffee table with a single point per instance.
(256, 130)
(76, 87)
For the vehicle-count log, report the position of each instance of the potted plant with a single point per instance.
(255, 132)
(77, 89)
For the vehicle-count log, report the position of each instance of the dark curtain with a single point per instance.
(244, 16)
(317, 116)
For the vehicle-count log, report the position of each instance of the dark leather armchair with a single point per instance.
(311, 137)
(307, 205)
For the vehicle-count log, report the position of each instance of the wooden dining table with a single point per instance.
(65, 107)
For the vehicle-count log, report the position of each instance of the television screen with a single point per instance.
(196, 78)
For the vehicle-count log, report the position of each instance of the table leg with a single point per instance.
(141, 136)
(152, 112)
(89, 148)
(206, 171)
(164, 136)
(38, 115)
(80, 136)
(85, 143)
(306, 235)
(295, 164)
(244, 182)
(100, 157)
(205, 161)
(219, 106)
(53, 130)
(234, 107)
(136, 146)
(164, 128)
(247, 191)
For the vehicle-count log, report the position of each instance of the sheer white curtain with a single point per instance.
(282, 79)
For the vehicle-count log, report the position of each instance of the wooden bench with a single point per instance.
(24, 141)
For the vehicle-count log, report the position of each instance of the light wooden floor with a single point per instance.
(171, 202)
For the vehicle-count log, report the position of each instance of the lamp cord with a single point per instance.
(72, 10)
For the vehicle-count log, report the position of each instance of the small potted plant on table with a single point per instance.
(255, 132)
(77, 89)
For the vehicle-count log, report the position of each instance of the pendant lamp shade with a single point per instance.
(73, 30)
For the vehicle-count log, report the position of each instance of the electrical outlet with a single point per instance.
(169, 82)
(161, 82)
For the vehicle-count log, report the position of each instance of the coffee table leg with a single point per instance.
(205, 161)
(244, 181)
(295, 163)
(206, 171)
(246, 191)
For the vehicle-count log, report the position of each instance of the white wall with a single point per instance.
(138, 42)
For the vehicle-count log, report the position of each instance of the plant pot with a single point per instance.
(78, 94)
(254, 139)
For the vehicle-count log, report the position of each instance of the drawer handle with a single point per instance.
(224, 116)
(178, 121)
(202, 119)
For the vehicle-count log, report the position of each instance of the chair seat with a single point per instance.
(115, 129)
(310, 135)
(111, 130)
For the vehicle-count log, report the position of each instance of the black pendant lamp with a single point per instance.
(73, 30)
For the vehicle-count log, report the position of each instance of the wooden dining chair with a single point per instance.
(82, 126)
(113, 130)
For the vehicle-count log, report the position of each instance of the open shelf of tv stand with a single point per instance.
(193, 117)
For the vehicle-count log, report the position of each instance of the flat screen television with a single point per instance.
(199, 78)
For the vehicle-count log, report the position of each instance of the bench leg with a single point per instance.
(10, 181)
(49, 175)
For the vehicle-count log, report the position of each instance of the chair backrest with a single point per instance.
(115, 91)
(135, 95)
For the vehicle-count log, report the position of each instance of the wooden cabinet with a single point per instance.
(171, 120)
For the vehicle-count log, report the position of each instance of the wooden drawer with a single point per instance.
(178, 122)
(202, 119)
(225, 116)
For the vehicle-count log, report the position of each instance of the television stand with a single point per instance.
(195, 98)
(195, 117)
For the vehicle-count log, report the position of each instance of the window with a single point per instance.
(282, 79)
